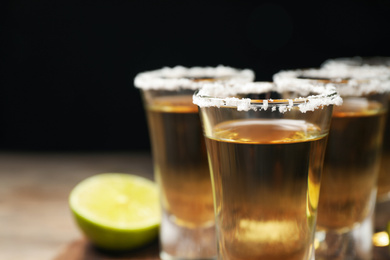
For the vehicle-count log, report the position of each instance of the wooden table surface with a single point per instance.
(35, 220)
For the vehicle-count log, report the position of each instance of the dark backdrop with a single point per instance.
(67, 67)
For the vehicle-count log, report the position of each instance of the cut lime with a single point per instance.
(116, 211)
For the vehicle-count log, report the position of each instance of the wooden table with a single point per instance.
(35, 221)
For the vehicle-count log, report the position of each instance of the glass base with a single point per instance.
(165, 256)
(355, 244)
(381, 238)
(385, 197)
(179, 242)
(382, 215)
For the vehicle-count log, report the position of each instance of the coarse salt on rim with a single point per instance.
(348, 80)
(179, 77)
(225, 95)
(357, 61)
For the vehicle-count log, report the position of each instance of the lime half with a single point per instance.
(116, 211)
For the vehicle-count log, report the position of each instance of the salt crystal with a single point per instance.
(225, 95)
(349, 80)
(180, 77)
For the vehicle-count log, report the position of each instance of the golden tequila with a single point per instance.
(266, 175)
(384, 172)
(180, 158)
(351, 165)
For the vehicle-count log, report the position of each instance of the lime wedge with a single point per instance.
(116, 211)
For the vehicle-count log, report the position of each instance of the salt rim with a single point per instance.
(348, 80)
(179, 77)
(220, 95)
(358, 61)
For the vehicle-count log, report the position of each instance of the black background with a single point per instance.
(67, 67)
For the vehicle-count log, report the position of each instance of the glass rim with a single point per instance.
(358, 61)
(348, 80)
(313, 96)
(191, 78)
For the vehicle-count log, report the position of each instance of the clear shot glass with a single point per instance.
(352, 159)
(180, 162)
(384, 173)
(382, 212)
(265, 147)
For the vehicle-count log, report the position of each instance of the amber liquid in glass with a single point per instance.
(384, 172)
(349, 179)
(266, 175)
(180, 158)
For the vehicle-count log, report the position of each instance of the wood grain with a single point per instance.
(82, 250)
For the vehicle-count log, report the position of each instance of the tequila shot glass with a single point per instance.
(352, 159)
(265, 146)
(180, 162)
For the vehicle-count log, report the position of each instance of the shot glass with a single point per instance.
(180, 162)
(382, 212)
(352, 159)
(265, 147)
(384, 173)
